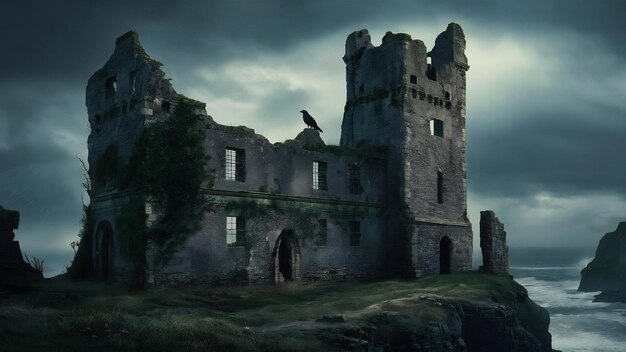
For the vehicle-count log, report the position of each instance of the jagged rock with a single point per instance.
(332, 318)
(13, 269)
(607, 271)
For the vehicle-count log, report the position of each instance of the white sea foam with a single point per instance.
(583, 263)
(577, 323)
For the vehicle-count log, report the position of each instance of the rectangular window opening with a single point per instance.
(439, 187)
(132, 80)
(320, 180)
(354, 175)
(235, 231)
(166, 106)
(235, 168)
(322, 235)
(436, 127)
(413, 79)
(110, 87)
(355, 233)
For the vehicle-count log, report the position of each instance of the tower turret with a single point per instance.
(416, 108)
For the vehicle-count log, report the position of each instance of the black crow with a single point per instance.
(309, 120)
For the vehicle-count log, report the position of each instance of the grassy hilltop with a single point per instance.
(60, 315)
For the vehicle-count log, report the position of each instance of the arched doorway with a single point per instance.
(286, 257)
(104, 249)
(445, 255)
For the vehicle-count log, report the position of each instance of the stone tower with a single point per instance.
(123, 97)
(413, 101)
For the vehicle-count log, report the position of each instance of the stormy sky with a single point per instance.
(546, 102)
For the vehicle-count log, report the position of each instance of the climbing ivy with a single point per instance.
(172, 170)
(82, 266)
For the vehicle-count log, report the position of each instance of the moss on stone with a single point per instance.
(82, 265)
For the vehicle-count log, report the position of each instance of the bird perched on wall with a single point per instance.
(309, 120)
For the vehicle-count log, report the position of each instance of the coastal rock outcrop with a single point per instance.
(13, 269)
(509, 321)
(607, 271)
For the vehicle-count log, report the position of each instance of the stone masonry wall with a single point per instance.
(493, 243)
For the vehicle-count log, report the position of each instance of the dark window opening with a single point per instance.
(439, 187)
(422, 95)
(413, 93)
(436, 101)
(235, 168)
(165, 106)
(322, 235)
(235, 231)
(355, 233)
(430, 99)
(447, 95)
(436, 128)
(448, 105)
(110, 87)
(430, 70)
(132, 79)
(354, 179)
(440, 103)
(320, 172)
(413, 79)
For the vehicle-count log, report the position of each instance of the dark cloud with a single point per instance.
(548, 151)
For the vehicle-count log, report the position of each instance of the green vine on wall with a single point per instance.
(172, 171)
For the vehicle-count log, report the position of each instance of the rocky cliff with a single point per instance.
(504, 320)
(607, 271)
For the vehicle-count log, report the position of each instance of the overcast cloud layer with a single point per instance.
(546, 122)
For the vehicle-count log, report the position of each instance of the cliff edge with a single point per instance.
(469, 311)
(607, 271)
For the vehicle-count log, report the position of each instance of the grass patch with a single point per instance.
(62, 315)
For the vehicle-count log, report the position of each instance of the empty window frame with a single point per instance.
(235, 168)
(320, 171)
(431, 74)
(354, 179)
(132, 81)
(166, 106)
(413, 79)
(235, 231)
(439, 187)
(322, 236)
(355, 233)
(110, 87)
(436, 127)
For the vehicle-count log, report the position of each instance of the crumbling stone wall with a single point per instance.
(411, 194)
(493, 243)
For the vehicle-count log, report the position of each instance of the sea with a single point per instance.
(551, 276)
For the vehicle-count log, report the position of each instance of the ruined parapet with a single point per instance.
(13, 268)
(493, 243)
(310, 139)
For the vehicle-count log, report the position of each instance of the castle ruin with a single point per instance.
(389, 200)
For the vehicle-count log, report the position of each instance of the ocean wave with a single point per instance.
(577, 323)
